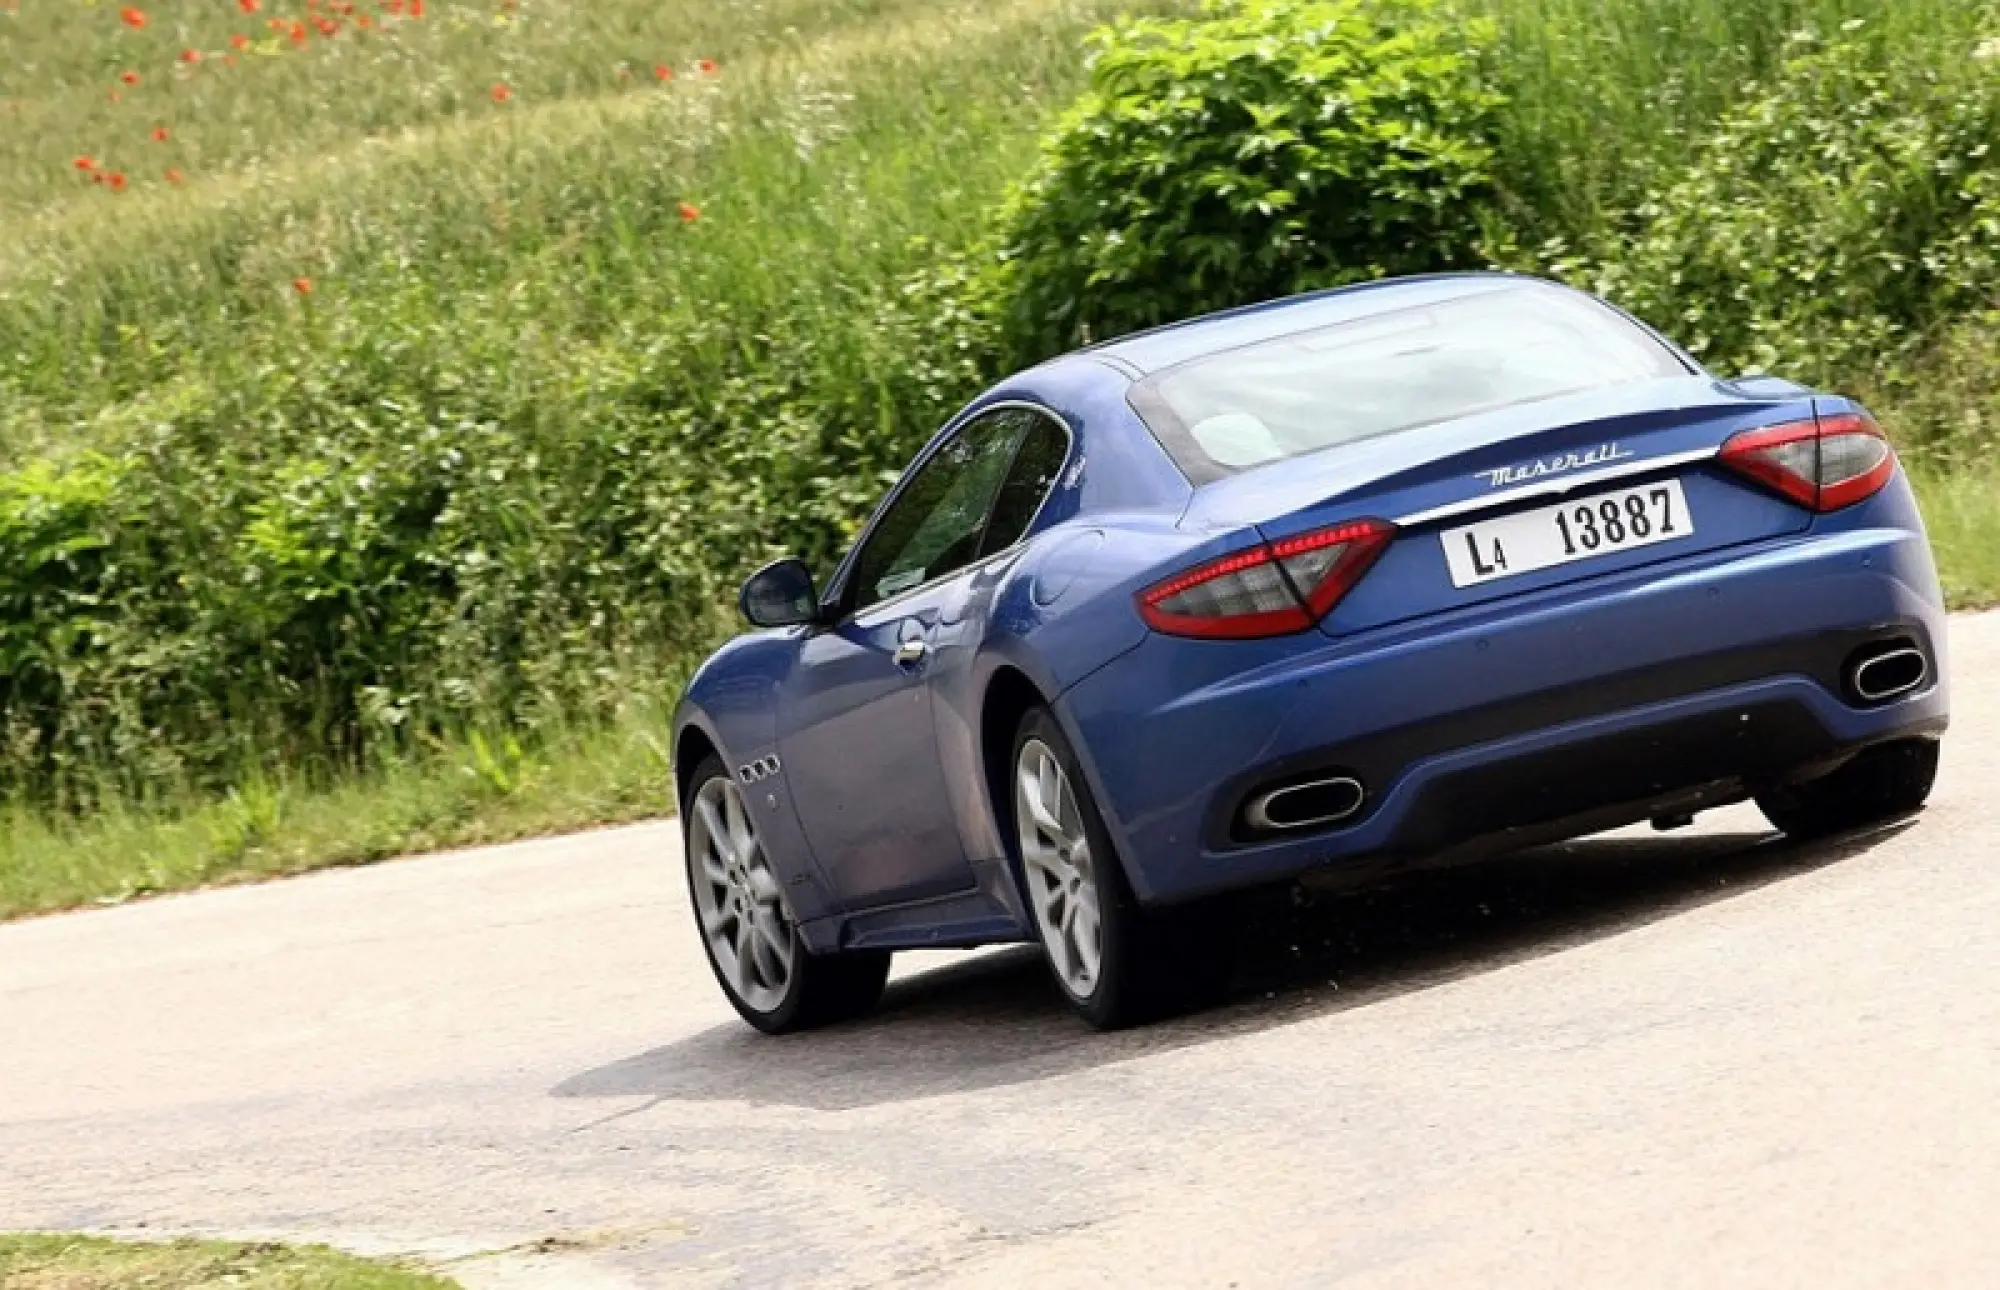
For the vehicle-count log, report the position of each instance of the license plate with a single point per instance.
(1580, 529)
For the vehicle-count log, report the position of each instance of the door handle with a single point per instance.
(911, 652)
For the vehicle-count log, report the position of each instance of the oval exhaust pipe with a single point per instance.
(1890, 673)
(1303, 806)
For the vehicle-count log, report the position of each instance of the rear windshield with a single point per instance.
(1318, 389)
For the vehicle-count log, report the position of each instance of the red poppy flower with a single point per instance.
(85, 163)
(248, 6)
(298, 33)
(190, 55)
(130, 78)
(689, 212)
(174, 176)
(161, 134)
(706, 66)
(327, 27)
(662, 72)
(363, 21)
(274, 24)
(304, 286)
(416, 8)
(117, 181)
(239, 41)
(393, 6)
(133, 18)
(501, 94)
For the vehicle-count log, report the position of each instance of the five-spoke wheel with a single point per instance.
(1117, 962)
(739, 903)
(753, 944)
(1056, 863)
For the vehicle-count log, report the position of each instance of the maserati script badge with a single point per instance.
(1602, 454)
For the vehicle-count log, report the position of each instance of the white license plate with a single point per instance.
(1579, 529)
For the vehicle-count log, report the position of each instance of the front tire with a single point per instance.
(1116, 962)
(1877, 784)
(753, 945)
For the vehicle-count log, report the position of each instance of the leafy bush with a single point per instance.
(430, 558)
(1258, 150)
(1826, 221)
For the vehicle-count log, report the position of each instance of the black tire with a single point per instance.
(1877, 784)
(820, 989)
(1152, 962)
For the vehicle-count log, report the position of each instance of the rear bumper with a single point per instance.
(1692, 681)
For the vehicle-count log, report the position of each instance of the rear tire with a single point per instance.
(1116, 962)
(753, 945)
(1879, 783)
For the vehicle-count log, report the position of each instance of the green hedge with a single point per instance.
(1256, 151)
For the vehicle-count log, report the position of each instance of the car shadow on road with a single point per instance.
(996, 1019)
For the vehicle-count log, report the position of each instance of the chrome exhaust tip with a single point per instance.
(1312, 804)
(1888, 674)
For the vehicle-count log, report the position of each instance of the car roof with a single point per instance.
(1150, 351)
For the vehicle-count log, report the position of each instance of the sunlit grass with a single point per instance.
(1603, 90)
(814, 160)
(475, 788)
(60, 1262)
(1962, 514)
(362, 211)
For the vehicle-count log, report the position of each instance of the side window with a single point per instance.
(1044, 446)
(934, 526)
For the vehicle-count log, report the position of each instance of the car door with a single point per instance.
(857, 732)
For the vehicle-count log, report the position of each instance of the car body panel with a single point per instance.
(1159, 750)
(859, 745)
(873, 786)
(811, 696)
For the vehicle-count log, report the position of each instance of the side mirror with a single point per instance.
(781, 594)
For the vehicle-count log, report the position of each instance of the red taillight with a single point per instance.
(1822, 465)
(1269, 589)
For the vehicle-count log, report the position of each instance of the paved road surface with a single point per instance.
(1705, 1059)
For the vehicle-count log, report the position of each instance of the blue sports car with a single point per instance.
(1312, 591)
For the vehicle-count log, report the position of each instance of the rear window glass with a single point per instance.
(1373, 376)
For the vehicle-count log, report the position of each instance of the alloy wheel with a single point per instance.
(737, 898)
(1059, 868)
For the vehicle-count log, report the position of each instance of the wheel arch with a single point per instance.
(691, 747)
(1010, 695)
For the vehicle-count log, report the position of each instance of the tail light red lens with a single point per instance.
(1823, 464)
(1270, 589)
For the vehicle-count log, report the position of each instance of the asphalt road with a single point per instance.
(1709, 1058)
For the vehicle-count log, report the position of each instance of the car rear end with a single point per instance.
(1598, 588)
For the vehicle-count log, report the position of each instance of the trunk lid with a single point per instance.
(1454, 480)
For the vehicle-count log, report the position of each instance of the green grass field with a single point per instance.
(58, 1262)
(389, 405)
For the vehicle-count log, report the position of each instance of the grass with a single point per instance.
(830, 135)
(515, 283)
(476, 789)
(1962, 513)
(431, 410)
(1603, 89)
(39, 1262)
